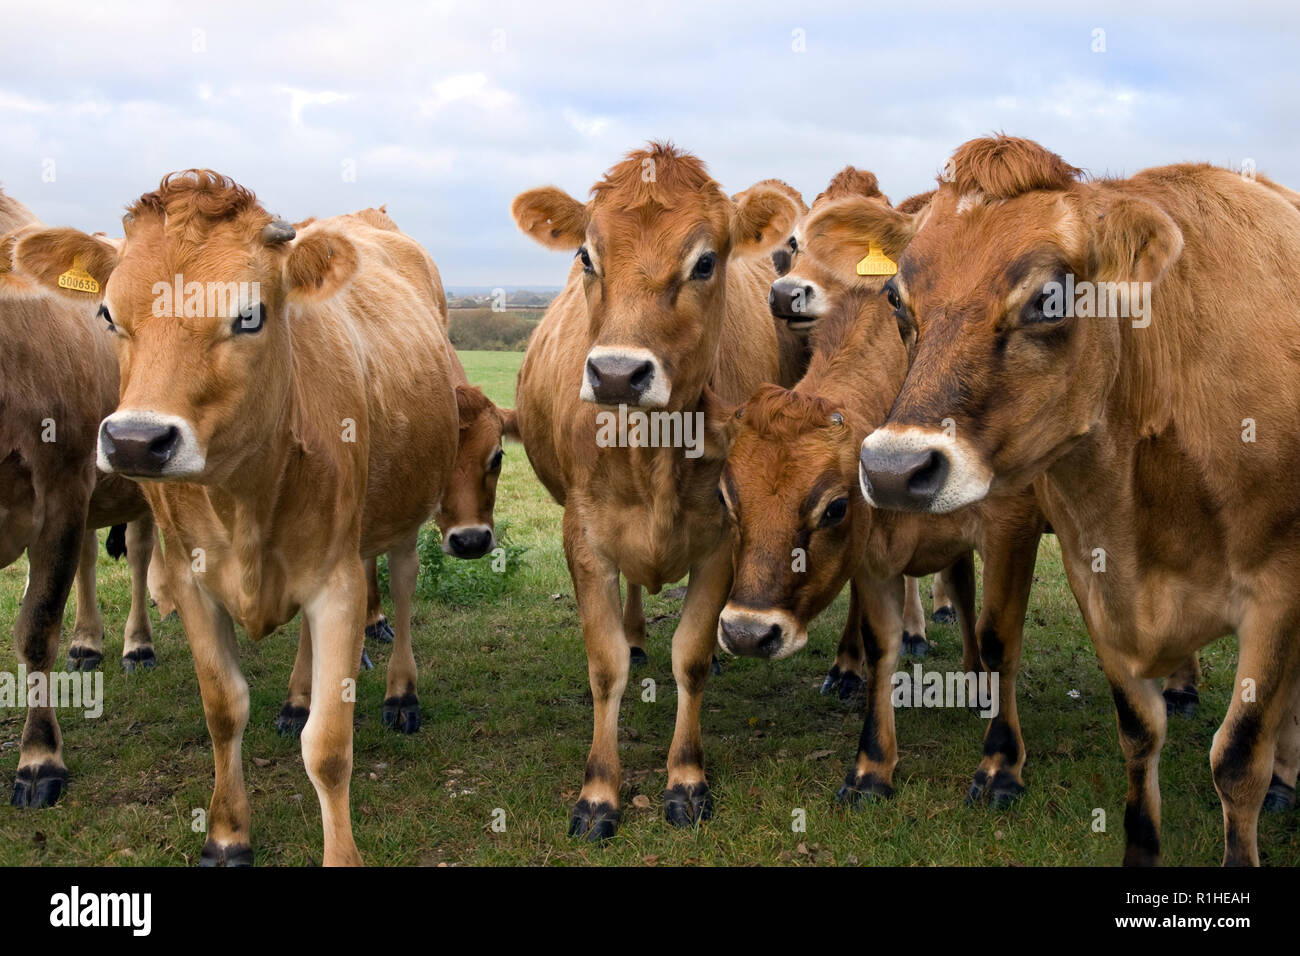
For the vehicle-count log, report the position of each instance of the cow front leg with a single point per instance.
(377, 626)
(159, 589)
(595, 584)
(872, 774)
(86, 652)
(960, 578)
(634, 629)
(687, 800)
(1181, 695)
(1140, 714)
(846, 673)
(914, 642)
(137, 644)
(336, 619)
(1286, 762)
(293, 715)
(401, 709)
(52, 560)
(944, 612)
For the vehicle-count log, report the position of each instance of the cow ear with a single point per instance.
(1135, 240)
(319, 265)
(552, 217)
(841, 234)
(509, 423)
(763, 218)
(719, 418)
(64, 260)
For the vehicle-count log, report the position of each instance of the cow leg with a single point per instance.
(634, 626)
(914, 642)
(943, 613)
(1140, 713)
(377, 626)
(1286, 762)
(1181, 696)
(86, 652)
(687, 800)
(159, 591)
(137, 645)
(1243, 754)
(1008, 578)
(595, 584)
(401, 709)
(293, 715)
(960, 579)
(846, 672)
(53, 556)
(336, 619)
(872, 775)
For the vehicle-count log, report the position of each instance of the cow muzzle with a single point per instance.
(144, 444)
(916, 469)
(798, 302)
(469, 541)
(625, 376)
(767, 634)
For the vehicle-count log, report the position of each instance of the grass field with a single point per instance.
(507, 722)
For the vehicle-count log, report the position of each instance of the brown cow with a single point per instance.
(1165, 470)
(282, 436)
(58, 378)
(665, 299)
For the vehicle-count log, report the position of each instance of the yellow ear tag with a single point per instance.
(876, 263)
(78, 279)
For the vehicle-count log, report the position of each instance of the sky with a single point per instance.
(445, 111)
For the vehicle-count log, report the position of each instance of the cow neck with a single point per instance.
(859, 361)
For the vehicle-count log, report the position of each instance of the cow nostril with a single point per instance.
(770, 643)
(162, 447)
(593, 374)
(771, 298)
(929, 477)
(642, 377)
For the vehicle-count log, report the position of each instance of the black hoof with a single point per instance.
(402, 713)
(915, 645)
(142, 658)
(857, 789)
(638, 656)
(83, 658)
(595, 821)
(832, 680)
(380, 631)
(291, 720)
(1280, 798)
(685, 806)
(1181, 703)
(366, 663)
(850, 685)
(716, 666)
(39, 785)
(1004, 790)
(944, 615)
(237, 854)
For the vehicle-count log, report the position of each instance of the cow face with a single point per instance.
(790, 489)
(1005, 379)
(465, 518)
(652, 251)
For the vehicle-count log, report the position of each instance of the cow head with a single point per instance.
(652, 250)
(1005, 377)
(465, 518)
(200, 302)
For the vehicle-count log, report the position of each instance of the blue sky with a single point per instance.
(446, 110)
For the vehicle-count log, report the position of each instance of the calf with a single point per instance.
(665, 299)
(1167, 474)
(283, 431)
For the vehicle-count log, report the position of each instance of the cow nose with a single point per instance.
(138, 448)
(790, 301)
(745, 636)
(618, 380)
(903, 480)
(470, 542)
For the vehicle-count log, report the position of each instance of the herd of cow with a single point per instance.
(884, 389)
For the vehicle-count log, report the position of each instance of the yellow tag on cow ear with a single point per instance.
(78, 279)
(876, 263)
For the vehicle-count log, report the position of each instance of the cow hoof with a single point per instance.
(832, 680)
(638, 657)
(39, 785)
(686, 805)
(142, 658)
(595, 821)
(380, 631)
(1280, 798)
(83, 658)
(402, 713)
(291, 720)
(867, 789)
(236, 854)
(1004, 791)
(850, 685)
(915, 645)
(944, 615)
(715, 666)
(366, 663)
(1181, 703)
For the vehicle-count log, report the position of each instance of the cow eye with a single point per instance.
(835, 512)
(250, 320)
(103, 314)
(495, 463)
(722, 499)
(895, 300)
(585, 256)
(794, 245)
(1041, 309)
(704, 266)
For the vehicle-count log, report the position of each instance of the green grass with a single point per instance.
(507, 722)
